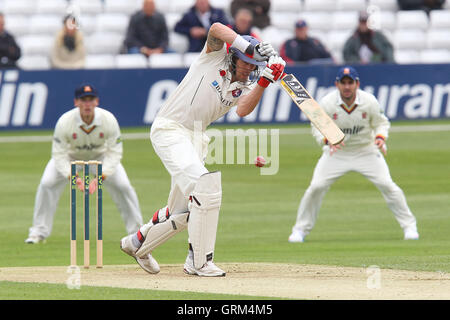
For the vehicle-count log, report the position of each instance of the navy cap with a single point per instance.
(85, 90)
(300, 24)
(347, 72)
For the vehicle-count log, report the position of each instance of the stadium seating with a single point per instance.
(225, 4)
(111, 22)
(383, 20)
(438, 39)
(88, 6)
(416, 19)
(406, 56)
(127, 7)
(417, 38)
(104, 43)
(440, 19)
(163, 6)
(11, 7)
(336, 39)
(319, 5)
(100, 61)
(172, 19)
(47, 24)
(344, 20)
(435, 56)
(167, 60)
(178, 42)
(409, 39)
(317, 20)
(387, 5)
(34, 62)
(18, 25)
(36, 44)
(349, 5)
(51, 7)
(284, 20)
(291, 6)
(180, 6)
(130, 61)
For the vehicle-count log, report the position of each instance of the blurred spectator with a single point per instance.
(260, 9)
(68, 51)
(303, 48)
(243, 23)
(426, 5)
(196, 22)
(367, 46)
(9, 50)
(147, 31)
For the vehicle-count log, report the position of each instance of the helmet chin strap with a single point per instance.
(233, 68)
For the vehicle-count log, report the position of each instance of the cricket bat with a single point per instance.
(318, 117)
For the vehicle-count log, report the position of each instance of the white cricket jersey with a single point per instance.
(205, 94)
(73, 139)
(360, 122)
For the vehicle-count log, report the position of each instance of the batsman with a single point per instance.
(231, 70)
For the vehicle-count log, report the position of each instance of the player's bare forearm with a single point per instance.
(249, 102)
(219, 34)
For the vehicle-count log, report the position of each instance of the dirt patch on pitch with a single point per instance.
(257, 279)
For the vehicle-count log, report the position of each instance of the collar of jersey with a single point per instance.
(94, 123)
(343, 105)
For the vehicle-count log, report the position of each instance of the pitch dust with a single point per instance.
(293, 281)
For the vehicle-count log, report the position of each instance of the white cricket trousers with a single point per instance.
(371, 164)
(182, 151)
(52, 185)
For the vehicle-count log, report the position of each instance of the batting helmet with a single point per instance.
(234, 54)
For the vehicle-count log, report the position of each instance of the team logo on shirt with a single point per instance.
(364, 115)
(74, 136)
(236, 93)
(101, 135)
(335, 116)
(354, 130)
(216, 86)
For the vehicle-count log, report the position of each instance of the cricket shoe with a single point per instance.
(149, 264)
(411, 234)
(209, 269)
(35, 239)
(296, 236)
(127, 246)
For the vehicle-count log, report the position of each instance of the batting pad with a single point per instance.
(159, 233)
(204, 209)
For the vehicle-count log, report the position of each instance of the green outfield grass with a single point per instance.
(355, 227)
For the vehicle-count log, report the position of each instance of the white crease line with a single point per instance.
(285, 131)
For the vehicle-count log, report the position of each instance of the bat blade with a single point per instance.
(318, 117)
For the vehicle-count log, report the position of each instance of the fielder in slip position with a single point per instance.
(86, 132)
(361, 118)
(223, 76)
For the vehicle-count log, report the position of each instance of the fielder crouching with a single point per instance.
(223, 76)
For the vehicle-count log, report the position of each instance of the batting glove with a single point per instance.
(265, 49)
(272, 72)
(253, 52)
